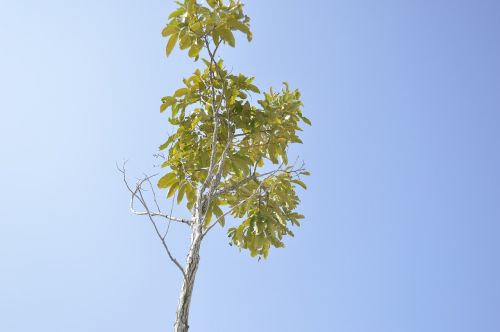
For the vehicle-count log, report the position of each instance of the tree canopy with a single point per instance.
(229, 151)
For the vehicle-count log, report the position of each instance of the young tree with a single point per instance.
(228, 156)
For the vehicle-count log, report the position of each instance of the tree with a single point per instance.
(228, 155)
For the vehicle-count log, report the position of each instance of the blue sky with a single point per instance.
(403, 209)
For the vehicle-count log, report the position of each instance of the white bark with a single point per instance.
(204, 200)
(192, 261)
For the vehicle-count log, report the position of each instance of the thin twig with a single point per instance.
(144, 213)
(172, 258)
(137, 194)
(169, 222)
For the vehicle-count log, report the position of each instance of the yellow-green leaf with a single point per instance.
(208, 217)
(228, 36)
(167, 101)
(194, 51)
(185, 42)
(172, 189)
(253, 88)
(167, 180)
(196, 26)
(177, 12)
(180, 193)
(181, 92)
(300, 183)
(306, 120)
(169, 29)
(190, 193)
(171, 43)
(219, 215)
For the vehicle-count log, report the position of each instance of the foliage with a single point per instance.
(222, 153)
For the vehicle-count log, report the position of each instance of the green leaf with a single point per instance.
(265, 251)
(177, 13)
(171, 43)
(167, 180)
(169, 29)
(170, 139)
(300, 183)
(238, 25)
(185, 42)
(190, 193)
(175, 110)
(228, 36)
(253, 88)
(194, 51)
(181, 92)
(196, 26)
(207, 62)
(216, 36)
(167, 102)
(218, 214)
(180, 193)
(212, 3)
(306, 120)
(208, 217)
(172, 189)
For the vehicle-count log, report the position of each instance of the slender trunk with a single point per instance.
(192, 261)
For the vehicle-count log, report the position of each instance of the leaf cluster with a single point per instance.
(191, 23)
(229, 153)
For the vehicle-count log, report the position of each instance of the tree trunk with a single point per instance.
(192, 261)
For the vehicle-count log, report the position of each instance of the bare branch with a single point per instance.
(172, 258)
(158, 207)
(155, 214)
(169, 222)
(134, 196)
(137, 193)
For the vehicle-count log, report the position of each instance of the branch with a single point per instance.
(216, 123)
(220, 168)
(156, 214)
(270, 174)
(172, 258)
(137, 194)
(255, 176)
(236, 185)
(253, 132)
(148, 212)
(232, 209)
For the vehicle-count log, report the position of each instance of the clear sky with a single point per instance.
(403, 209)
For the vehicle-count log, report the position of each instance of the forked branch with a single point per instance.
(253, 176)
(137, 194)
